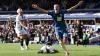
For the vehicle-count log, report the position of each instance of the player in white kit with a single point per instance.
(21, 27)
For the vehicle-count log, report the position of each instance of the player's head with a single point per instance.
(19, 11)
(56, 8)
(49, 44)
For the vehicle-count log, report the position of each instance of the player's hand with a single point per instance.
(80, 2)
(34, 6)
(26, 28)
(17, 39)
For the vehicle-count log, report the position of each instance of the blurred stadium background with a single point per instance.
(88, 14)
(41, 29)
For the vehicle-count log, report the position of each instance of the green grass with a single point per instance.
(14, 50)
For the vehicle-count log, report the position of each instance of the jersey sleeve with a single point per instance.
(18, 18)
(64, 10)
(50, 13)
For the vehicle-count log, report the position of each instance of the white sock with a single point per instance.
(22, 47)
(26, 46)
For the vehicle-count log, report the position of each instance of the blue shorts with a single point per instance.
(61, 33)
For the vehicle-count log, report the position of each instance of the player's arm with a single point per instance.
(20, 22)
(74, 7)
(38, 8)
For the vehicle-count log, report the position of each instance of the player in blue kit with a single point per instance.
(59, 23)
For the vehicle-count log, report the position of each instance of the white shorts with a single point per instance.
(20, 32)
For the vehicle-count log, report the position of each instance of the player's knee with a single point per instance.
(60, 43)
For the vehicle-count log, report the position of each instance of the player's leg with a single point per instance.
(26, 37)
(27, 41)
(77, 42)
(83, 42)
(21, 43)
(59, 36)
(19, 37)
(65, 41)
(63, 45)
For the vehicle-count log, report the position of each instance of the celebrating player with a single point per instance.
(58, 18)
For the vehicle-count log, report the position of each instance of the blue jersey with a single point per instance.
(58, 20)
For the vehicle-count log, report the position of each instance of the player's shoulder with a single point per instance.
(63, 10)
(51, 11)
(18, 16)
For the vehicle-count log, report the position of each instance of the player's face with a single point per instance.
(19, 11)
(56, 8)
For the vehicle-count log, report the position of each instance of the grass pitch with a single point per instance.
(14, 50)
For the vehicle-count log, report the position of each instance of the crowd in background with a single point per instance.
(12, 5)
(44, 32)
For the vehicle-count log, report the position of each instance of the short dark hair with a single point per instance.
(49, 43)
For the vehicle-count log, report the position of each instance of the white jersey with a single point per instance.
(18, 18)
(18, 28)
(51, 48)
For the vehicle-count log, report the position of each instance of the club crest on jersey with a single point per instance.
(59, 19)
